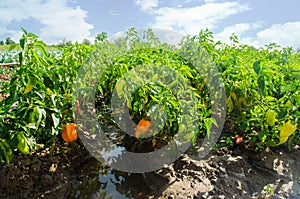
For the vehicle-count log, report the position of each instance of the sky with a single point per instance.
(255, 22)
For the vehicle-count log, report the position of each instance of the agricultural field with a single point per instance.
(9, 56)
(12, 56)
(260, 103)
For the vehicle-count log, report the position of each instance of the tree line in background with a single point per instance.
(7, 41)
(99, 37)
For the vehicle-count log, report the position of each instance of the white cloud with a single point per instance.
(58, 19)
(13, 34)
(146, 5)
(286, 34)
(192, 20)
(209, 1)
(238, 29)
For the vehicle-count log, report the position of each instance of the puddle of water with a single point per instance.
(110, 184)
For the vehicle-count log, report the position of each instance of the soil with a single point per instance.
(236, 174)
(70, 172)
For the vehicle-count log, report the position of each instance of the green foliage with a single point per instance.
(262, 88)
(225, 142)
(40, 95)
(101, 37)
(161, 91)
(156, 91)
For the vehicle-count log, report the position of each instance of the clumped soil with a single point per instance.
(237, 173)
(70, 172)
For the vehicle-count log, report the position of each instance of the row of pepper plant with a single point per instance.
(262, 91)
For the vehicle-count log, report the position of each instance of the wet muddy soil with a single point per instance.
(70, 172)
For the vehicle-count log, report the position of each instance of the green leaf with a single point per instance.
(256, 67)
(297, 98)
(24, 31)
(261, 84)
(55, 120)
(12, 46)
(22, 43)
(271, 143)
(41, 113)
(262, 137)
(53, 99)
(41, 46)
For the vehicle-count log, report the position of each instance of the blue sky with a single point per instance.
(255, 22)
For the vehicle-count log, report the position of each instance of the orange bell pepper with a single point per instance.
(142, 128)
(69, 133)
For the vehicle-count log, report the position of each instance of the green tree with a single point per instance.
(9, 41)
(87, 42)
(69, 43)
(1, 42)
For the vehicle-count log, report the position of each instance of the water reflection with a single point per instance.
(109, 183)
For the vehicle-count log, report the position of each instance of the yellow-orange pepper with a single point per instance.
(69, 133)
(142, 128)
